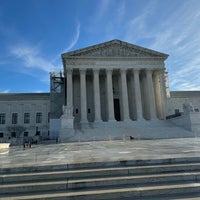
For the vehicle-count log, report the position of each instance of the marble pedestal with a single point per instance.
(67, 123)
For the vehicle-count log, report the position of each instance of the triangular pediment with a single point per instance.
(115, 48)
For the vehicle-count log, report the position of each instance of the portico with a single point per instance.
(115, 81)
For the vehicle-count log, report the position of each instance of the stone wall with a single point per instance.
(31, 103)
(178, 98)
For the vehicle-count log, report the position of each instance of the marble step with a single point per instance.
(114, 192)
(97, 172)
(188, 196)
(98, 182)
(90, 165)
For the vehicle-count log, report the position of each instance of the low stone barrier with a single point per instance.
(4, 145)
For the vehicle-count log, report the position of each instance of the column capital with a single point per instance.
(161, 70)
(149, 70)
(136, 70)
(109, 70)
(123, 70)
(69, 70)
(158, 72)
(152, 70)
(96, 70)
(82, 71)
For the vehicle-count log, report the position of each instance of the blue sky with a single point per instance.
(34, 33)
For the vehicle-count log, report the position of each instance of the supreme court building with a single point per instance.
(113, 88)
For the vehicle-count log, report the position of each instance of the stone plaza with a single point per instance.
(99, 151)
(120, 170)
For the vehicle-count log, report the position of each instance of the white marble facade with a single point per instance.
(115, 81)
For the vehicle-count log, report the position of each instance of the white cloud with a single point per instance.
(5, 91)
(121, 10)
(137, 26)
(96, 23)
(38, 91)
(177, 35)
(75, 38)
(71, 45)
(101, 10)
(31, 57)
(33, 60)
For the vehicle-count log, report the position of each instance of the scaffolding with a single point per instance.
(57, 94)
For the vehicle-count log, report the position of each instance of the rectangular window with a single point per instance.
(14, 118)
(26, 134)
(26, 118)
(13, 134)
(2, 118)
(38, 117)
(37, 133)
(1, 135)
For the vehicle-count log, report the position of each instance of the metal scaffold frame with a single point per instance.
(57, 94)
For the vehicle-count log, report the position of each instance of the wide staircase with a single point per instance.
(177, 178)
(144, 129)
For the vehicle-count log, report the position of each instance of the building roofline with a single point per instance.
(24, 96)
(104, 44)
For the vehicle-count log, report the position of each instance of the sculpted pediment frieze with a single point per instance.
(115, 48)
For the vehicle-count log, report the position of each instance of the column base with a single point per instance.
(154, 119)
(98, 121)
(84, 121)
(112, 120)
(128, 120)
(140, 119)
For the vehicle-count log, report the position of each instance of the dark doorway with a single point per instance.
(117, 109)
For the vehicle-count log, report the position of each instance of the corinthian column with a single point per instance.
(152, 106)
(69, 88)
(124, 94)
(97, 105)
(67, 119)
(138, 98)
(83, 95)
(110, 103)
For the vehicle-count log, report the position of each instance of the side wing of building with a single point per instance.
(178, 98)
(24, 116)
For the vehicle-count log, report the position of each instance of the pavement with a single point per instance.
(99, 151)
